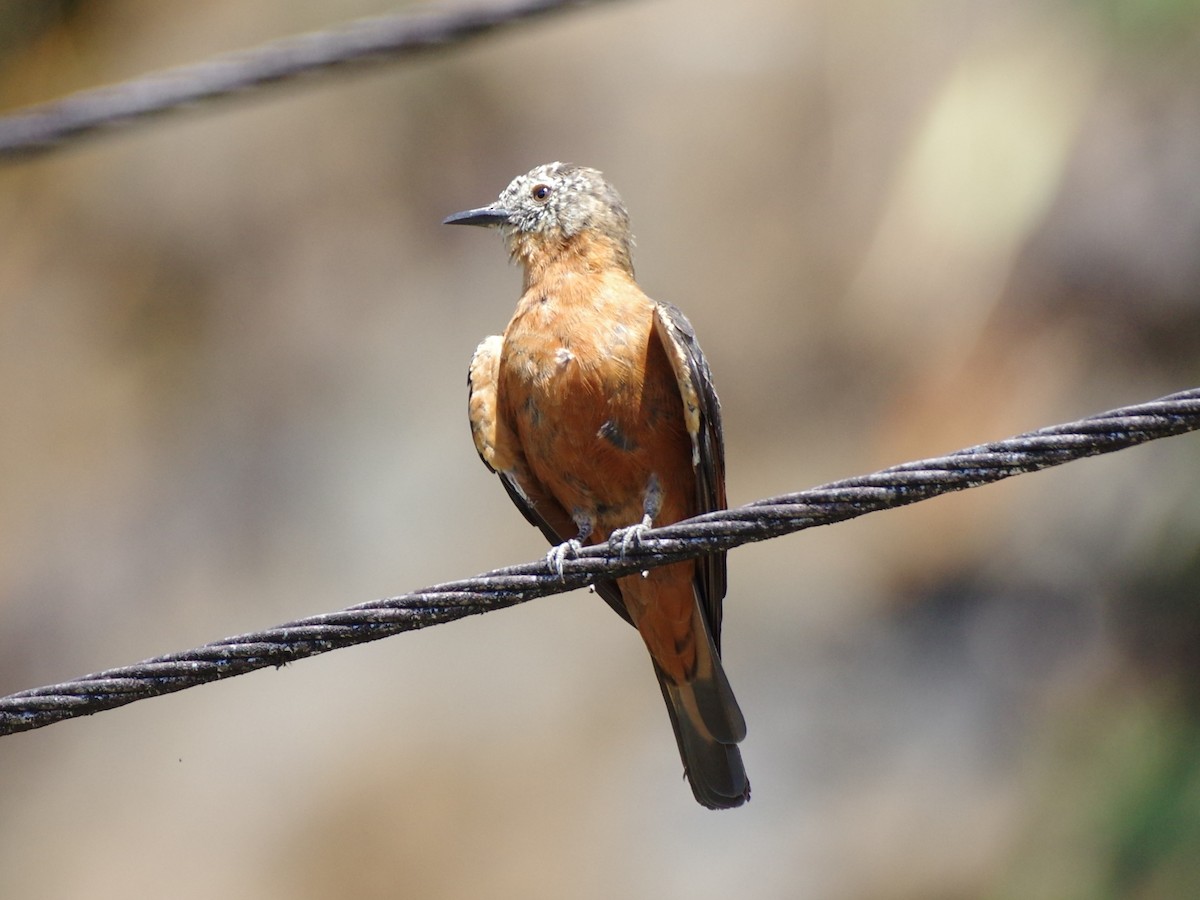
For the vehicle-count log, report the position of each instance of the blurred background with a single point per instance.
(233, 346)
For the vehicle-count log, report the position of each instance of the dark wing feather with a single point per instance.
(702, 410)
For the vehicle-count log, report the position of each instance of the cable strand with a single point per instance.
(722, 530)
(43, 127)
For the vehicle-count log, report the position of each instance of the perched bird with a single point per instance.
(596, 408)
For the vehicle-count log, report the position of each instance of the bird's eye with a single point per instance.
(540, 192)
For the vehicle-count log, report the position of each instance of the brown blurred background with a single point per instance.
(233, 346)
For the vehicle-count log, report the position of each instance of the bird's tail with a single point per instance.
(708, 727)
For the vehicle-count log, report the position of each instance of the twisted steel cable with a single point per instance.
(43, 127)
(501, 588)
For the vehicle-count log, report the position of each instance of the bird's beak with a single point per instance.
(485, 215)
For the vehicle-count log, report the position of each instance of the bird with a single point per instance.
(596, 409)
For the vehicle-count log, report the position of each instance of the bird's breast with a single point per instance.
(578, 344)
(573, 376)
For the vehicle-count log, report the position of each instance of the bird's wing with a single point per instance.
(702, 412)
(501, 452)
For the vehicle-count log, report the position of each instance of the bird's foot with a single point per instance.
(559, 554)
(624, 538)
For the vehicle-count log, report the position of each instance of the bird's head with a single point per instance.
(554, 207)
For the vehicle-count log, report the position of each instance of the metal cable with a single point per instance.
(763, 519)
(43, 127)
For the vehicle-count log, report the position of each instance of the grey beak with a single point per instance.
(485, 215)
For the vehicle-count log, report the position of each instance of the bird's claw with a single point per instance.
(624, 538)
(558, 555)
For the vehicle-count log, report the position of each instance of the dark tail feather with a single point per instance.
(708, 726)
